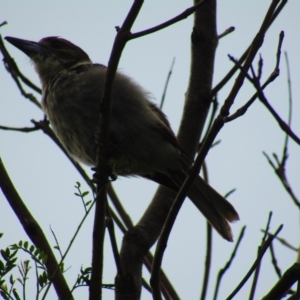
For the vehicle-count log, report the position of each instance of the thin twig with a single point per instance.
(283, 125)
(229, 75)
(274, 261)
(257, 270)
(257, 261)
(69, 246)
(113, 241)
(56, 241)
(35, 233)
(208, 254)
(214, 110)
(189, 11)
(226, 32)
(280, 172)
(229, 262)
(286, 244)
(167, 84)
(3, 23)
(118, 206)
(20, 129)
(195, 169)
(285, 147)
(242, 110)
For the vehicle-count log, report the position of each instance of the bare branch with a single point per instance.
(174, 20)
(20, 129)
(285, 147)
(291, 276)
(35, 233)
(102, 168)
(274, 261)
(166, 84)
(257, 261)
(195, 169)
(3, 23)
(280, 172)
(256, 273)
(113, 241)
(229, 262)
(242, 110)
(226, 32)
(227, 77)
(208, 255)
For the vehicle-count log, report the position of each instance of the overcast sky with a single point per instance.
(45, 179)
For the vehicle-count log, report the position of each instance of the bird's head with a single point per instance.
(51, 55)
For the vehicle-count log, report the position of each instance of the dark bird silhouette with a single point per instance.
(141, 140)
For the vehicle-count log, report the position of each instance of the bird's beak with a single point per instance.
(28, 47)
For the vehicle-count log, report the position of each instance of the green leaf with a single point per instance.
(11, 279)
(31, 249)
(12, 255)
(7, 252)
(9, 267)
(13, 260)
(88, 270)
(16, 294)
(1, 265)
(3, 253)
(85, 193)
(26, 245)
(20, 243)
(45, 258)
(14, 247)
(4, 295)
(37, 252)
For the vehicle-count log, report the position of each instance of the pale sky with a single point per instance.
(45, 179)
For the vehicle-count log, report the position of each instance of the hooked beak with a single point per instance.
(28, 47)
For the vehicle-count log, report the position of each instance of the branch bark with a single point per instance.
(139, 239)
(35, 233)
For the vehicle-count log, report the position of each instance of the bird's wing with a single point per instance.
(165, 129)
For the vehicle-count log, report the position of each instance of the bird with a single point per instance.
(141, 141)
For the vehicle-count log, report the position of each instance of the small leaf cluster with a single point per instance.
(36, 255)
(7, 264)
(84, 278)
(82, 195)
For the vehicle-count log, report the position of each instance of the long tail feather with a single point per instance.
(217, 210)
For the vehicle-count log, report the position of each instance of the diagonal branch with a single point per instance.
(242, 110)
(102, 168)
(229, 75)
(229, 262)
(263, 249)
(180, 17)
(195, 169)
(35, 233)
(291, 276)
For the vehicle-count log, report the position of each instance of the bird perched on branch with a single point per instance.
(141, 140)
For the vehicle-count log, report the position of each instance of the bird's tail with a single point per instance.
(217, 210)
